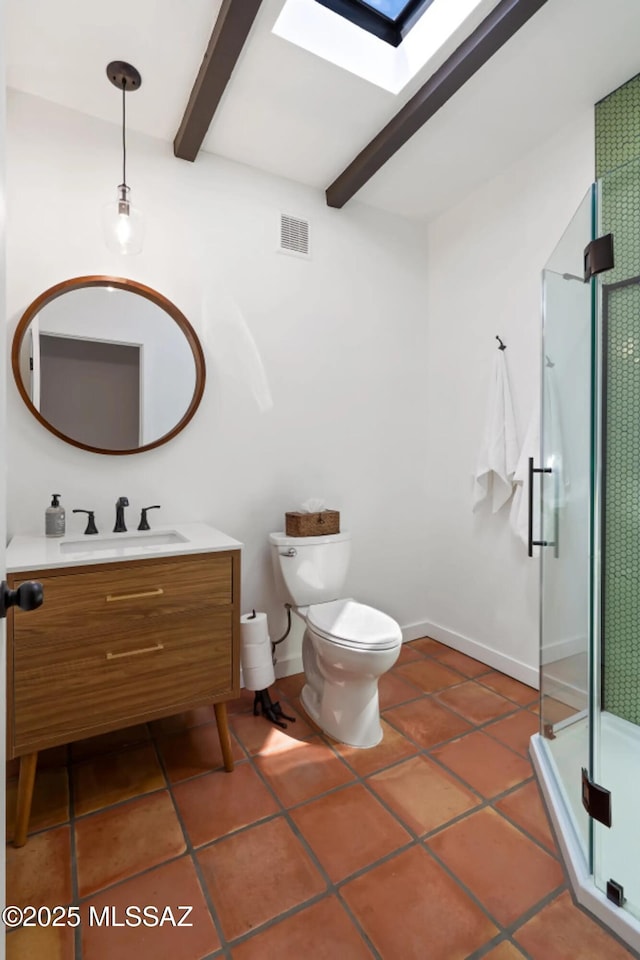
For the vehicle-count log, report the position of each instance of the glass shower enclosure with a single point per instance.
(585, 525)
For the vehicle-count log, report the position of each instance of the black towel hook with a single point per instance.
(502, 346)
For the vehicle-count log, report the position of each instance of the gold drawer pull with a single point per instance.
(134, 596)
(134, 653)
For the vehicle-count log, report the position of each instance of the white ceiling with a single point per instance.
(290, 113)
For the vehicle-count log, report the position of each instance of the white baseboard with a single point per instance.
(569, 693)
(564, 648)
(288, 666)
(413, 631)
(473, 648)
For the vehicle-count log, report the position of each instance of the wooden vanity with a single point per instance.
(118, 643)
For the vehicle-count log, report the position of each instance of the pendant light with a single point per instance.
(122, 223)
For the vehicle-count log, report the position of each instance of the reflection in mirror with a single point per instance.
(108, 364)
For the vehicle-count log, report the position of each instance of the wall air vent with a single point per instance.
(294, 236)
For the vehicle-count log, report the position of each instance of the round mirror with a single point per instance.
(108, 365)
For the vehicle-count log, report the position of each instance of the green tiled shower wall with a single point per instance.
(618, 169)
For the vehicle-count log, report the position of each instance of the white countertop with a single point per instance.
(39, 553)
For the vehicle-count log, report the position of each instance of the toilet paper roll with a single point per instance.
(255, 655)
(255, 652)
(254, 630)
(259, 678)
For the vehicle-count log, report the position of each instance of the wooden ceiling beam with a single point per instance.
(495, 30)
(227, 40)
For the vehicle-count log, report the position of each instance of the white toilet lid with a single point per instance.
(352, 624)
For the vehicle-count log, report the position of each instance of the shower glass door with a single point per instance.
(564, 521)
(616, 652)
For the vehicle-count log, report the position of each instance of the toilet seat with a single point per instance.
(353, 625)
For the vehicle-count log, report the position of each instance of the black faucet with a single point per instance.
(121, 503)
(144, 523)
(91, 522)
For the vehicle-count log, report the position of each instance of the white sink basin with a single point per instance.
(121, 542)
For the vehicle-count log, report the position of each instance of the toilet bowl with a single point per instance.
(347, 645)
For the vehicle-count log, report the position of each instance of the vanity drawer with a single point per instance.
(106, 600)
(117, 678)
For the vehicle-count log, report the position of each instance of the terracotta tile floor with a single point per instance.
(432, 846)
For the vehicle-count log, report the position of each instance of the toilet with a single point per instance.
(347, 645)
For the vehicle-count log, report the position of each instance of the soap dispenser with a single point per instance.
(54, 518)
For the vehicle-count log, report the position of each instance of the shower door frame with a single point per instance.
(578, 861)
(599, 851)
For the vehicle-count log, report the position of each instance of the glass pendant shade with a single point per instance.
(123, 224)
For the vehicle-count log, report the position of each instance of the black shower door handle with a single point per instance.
(538, 543)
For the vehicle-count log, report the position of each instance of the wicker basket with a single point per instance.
(312, 524)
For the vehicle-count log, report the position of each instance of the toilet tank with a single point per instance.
(315, 572)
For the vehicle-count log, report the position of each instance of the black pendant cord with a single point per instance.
(124, 140)
(126, 78)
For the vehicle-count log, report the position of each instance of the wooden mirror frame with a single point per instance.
(132, 286)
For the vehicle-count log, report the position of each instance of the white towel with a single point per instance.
(553, 446)
(555, 486)
(519, 516)
(498, 455)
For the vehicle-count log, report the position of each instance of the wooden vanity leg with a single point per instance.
(223, 733)
(26, 780)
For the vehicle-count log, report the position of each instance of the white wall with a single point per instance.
(341, 339)
(485, 261)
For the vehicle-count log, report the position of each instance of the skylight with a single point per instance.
(389, 8)
(389, 20)
(432, 29)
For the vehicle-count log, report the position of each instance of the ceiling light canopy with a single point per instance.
(122, 223)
